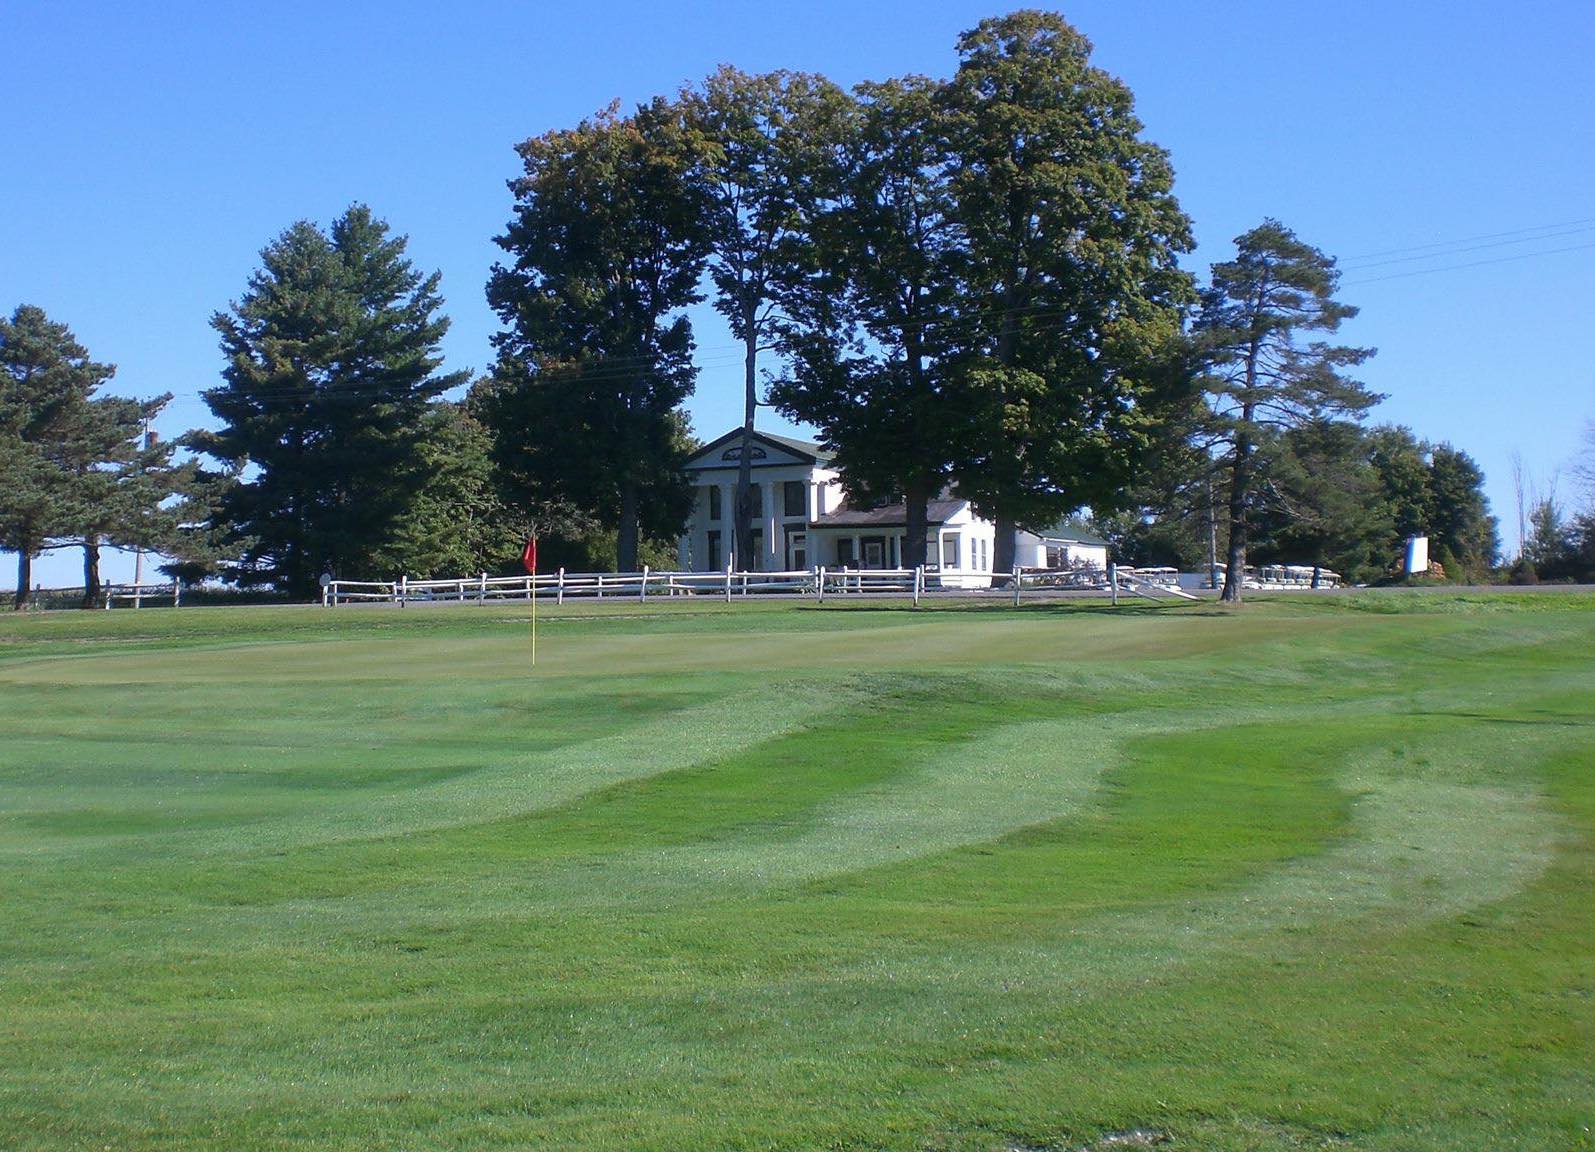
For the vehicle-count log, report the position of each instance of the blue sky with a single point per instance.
(153, 150)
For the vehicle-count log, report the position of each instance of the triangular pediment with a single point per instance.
(764, 451)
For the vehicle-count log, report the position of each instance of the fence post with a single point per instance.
(326, 593)
(819, 584)
(1018, 583)
(729, 563)
(600, 585)
(919, 582)
(1113, 583)
(559, 591)
(642, 593)
(481, 586)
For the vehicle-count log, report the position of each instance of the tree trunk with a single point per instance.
(626, 540)
(1004, 551)
(1240, 483)
(743, 500)
(91, 571)
(24, 578)
(916, 501)
(1240, 486)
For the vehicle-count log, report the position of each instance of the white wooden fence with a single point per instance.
(136, 594)
(818, 583)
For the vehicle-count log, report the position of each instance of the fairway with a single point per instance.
(1316, 874)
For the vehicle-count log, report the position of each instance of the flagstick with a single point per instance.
(534, 605)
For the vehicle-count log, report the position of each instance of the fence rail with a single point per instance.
(819, 583)
(136, 594)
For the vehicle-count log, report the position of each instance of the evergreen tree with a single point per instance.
(126, 475)
(1325, 502)
(454, 524)
(595, 358)
(1072, 294)
(1462, 532)
(46, 382)
(1401, 462)
(1551, 550)
(1263, 377)
(332, 359)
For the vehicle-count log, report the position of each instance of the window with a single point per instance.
(756, 499)
(755, 563)
(844, 553)
(795, 498)
(712, 560)
(714, 502)
(949, 552)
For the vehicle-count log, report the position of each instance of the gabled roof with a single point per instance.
(888, 515)
(806, 451)
(1073, 530)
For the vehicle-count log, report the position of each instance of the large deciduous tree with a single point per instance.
(46, 384)
(607, 247)
(1264, 374)
(872, 335)
(1073, 297)
(762, 147)
(332, 361)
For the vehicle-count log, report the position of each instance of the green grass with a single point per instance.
(766, 876)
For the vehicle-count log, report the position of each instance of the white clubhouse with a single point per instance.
(802, 521)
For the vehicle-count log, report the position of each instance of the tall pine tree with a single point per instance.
(46, 433)
(126, 475)
(1265, 374)
(332, 360)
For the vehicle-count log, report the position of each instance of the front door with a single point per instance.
(797, 552)
(875, 553)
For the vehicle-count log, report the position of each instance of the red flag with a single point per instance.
(529, 557)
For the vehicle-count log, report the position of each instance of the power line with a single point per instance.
(1469, 239)
(1475, 264)
(1475, 248)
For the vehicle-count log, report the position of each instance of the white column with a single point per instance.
(773, 560)
(700, 531)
